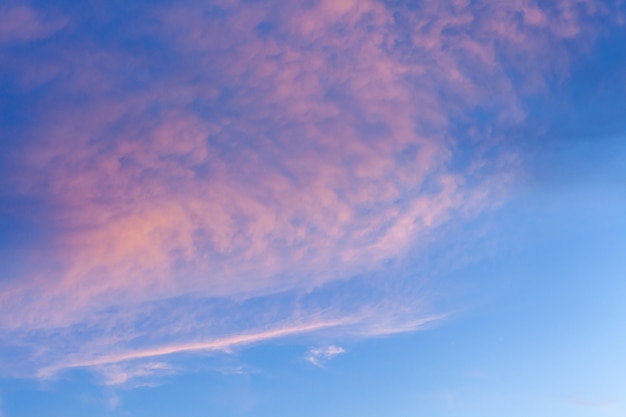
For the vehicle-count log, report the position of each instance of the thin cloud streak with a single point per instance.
(346, 327)
(213, 345)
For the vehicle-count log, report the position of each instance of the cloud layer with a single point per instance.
(200, 176)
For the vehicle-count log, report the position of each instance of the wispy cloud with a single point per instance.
(212, 345)
(117, 374)
(319, 355)
(605, 406)
(218, 174)
(114, 402)
(20, 22)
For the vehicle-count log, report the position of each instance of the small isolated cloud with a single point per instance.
(319, 355)
(234, 370)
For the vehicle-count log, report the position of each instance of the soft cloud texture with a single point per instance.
(317, 356)
(22, 23)
(221, 174)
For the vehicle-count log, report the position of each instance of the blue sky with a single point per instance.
(334, 208)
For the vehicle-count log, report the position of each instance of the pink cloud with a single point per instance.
(263, 163)
(20, 23)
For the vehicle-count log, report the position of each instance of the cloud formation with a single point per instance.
(21, 23)
(317, 356)
(219, 174)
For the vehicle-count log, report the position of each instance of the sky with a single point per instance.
(312, 208)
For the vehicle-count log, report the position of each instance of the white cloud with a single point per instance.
(319, 355)
(119, 374)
